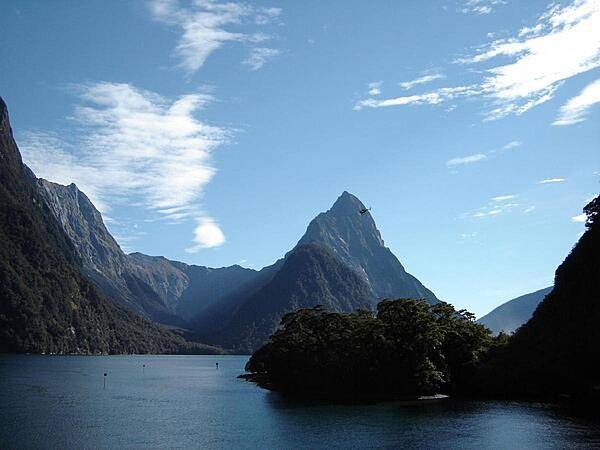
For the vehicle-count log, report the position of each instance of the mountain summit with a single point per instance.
(354, 238)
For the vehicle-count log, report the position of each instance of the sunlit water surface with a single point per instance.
(185, 402)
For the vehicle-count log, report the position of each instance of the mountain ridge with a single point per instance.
(512, 314)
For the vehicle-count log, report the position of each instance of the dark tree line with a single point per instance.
(407, 348)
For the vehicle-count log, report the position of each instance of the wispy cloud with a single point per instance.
(529, 209)
(512, 144)
(494, 208)
(421, 80)
(258, 57)
(430, 98)
(133, 147)
(503, 198)
(466, 159)
(480, 6)
(581, 218)
(491, 212)
(575, 109)
(563, 43)
(551, 180)
(207, 25)
(375, 88)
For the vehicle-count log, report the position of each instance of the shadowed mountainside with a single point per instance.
(556, 351)
(46, 303)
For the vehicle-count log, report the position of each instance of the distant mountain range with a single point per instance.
(511, 315)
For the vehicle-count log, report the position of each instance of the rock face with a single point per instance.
(165, 291)
(356, 242)
(103, 260)
(46, 303)
(511, 315)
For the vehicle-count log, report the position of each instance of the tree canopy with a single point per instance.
(407, 348)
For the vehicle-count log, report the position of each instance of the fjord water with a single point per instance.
(186, 402)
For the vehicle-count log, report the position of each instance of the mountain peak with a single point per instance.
(347, 204)
(355, 240)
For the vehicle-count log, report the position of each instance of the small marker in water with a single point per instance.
(217, 365)
(104, 380)
(143, 367)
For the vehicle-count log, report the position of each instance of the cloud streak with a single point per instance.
(551, 180)
(133, 147)
(575, 110)
(503, 198)
(466, 159)
(206, 26)
(421, 80)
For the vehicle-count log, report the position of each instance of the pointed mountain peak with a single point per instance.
(347, 204)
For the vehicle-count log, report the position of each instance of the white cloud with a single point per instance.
(430, 98)
(421, 80)
(375, 88)
(563, 43)
(496, 206)
(480, 6)
(580, 218)
(132, 147)
(466, 159)
(207, 25)
(503, 198)
(492, 212)
(529, 209)
(259, 56)
(551, 180)
(207, 234)
(575, 109)
(512, 144)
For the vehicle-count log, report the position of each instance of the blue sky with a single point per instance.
(212, 133)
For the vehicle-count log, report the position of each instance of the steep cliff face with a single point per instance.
(46, 303)
(102, 259)
(354, 238)
(165, 291)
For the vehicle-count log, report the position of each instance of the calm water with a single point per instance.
(183, 401)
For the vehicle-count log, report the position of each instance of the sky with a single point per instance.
(213, 132)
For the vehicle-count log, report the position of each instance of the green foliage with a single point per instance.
(408, 348)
